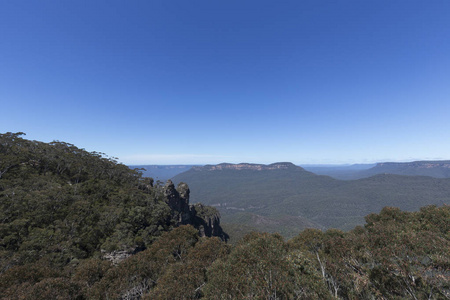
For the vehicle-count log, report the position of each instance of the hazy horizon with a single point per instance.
(306, 164)
(176, 82)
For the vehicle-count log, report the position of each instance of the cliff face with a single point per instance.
(246, 166)
(205, 218)
(417, 164)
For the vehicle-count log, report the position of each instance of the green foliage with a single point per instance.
(61, 204)
(186, 279)
(261, 267)
(67, 203)
(206, 212)
(174, 267)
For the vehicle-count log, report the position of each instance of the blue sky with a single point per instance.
(183, 82)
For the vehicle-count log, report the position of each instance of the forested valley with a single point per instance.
(78, 225)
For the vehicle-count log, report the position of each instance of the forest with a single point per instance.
(79, 225)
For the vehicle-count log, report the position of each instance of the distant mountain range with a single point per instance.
(286, 198)
(437, 169)
(344, 172)
(161, 172)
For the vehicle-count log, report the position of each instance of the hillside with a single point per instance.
(60, 203)
(245, 193)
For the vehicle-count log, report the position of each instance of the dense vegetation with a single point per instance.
(397, 255)
(290, 199)
(62, 203)
(61, 206)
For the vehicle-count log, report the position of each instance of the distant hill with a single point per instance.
(161, 172)
(437, 169)
(281, 192)
(344, 172)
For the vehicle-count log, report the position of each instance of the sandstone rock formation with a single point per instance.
(205, 218)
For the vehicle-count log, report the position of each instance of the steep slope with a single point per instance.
(283, 191)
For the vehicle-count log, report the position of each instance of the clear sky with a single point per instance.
(197, 82)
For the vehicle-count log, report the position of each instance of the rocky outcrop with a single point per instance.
(117, 256)
(178, 201)
(205, 218)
